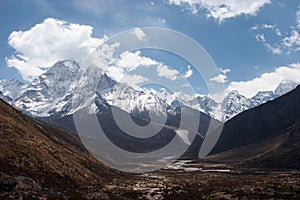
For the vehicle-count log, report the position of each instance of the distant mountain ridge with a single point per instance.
(267, 136)
(262, 122)
(249, 120)
(232, 104)
(51, 94)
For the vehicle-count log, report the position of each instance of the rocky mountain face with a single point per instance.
(235, 103)
(267, 136)
(5, 98)
(12, 88)
(50, 95)
(232, 104)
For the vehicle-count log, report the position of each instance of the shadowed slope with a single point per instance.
(52, 157)
(265, 121)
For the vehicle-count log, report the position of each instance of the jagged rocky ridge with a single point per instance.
(51, 94)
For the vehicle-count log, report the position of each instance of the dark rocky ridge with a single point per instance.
(262, 122)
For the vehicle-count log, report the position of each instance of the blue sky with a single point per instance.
(258, 40)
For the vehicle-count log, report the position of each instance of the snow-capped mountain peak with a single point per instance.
(105, 83)
(12, 88)
(262, 97)
(285, 87)
(52, 94)
(234, 103)
(49, 92)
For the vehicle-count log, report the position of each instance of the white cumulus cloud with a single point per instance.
(222, 10)
(132, 60)
(139, 33)
(222, 77)
(267, 81)
(133, 80)
(165, 71)
(45, 43)
(225, 70)
(188, 73)
(121, 76)
(116, 73)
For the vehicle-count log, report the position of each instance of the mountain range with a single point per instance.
(40, 158)
(262, 122)
(41, 161)
(50, 96)
(266, 136)
(56, 96)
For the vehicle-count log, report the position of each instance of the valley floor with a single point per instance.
(186, 181)
(210, 182)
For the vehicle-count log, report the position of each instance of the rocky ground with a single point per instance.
(180, 181)
(210, 182)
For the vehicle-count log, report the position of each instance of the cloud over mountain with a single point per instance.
(166, 72)
(45, 43)
(267, 81)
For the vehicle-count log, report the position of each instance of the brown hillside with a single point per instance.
(51, 157)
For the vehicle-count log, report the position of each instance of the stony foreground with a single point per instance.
(175, 184)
